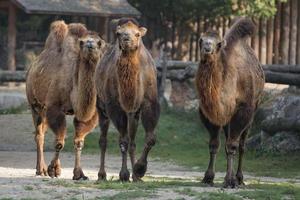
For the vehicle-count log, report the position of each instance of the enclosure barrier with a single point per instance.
(180, 71)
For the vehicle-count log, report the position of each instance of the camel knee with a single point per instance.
(214, 146)
(151, 140)
(123, 145)
(78, 144)
(59, 146)
(231, 147)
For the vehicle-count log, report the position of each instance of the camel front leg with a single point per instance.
(104, 125)
(239, 173)
(133, 120)
(81, 130)
(57, 122)
(149, 115)
(40, 124)
(238, 124)
(214, 144)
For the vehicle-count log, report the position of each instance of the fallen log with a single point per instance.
(281, 124)
(282, 78)
(12, 76)
(283, 68)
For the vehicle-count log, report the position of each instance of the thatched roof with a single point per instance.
(78, 7)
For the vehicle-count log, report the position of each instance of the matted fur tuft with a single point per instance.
(77, 29)
(241, 29)
(59, 30)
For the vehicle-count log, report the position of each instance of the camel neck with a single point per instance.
(86, 90)
(128, 72)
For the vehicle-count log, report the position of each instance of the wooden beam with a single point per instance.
(12, 76)
(11, 41)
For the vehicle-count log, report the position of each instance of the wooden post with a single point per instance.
(298, 36)
(285, 33)
(255, 38)
(11, 42)
(293, 32)
(277, 33)
(263, 41)
(270, 38)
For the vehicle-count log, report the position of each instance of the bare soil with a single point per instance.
(17, 169)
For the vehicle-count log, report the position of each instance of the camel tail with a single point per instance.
(240, 30)
(59, 29)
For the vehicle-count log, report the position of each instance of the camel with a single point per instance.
(230, 82)
(126, 91)
(59, 83)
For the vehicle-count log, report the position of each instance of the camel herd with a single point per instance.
(78, 74)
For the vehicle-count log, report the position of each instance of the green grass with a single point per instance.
(129, 195)
(14, 110)
(182, 138)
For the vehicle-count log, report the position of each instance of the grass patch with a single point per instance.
(14, 110)
(130, 195)
(272, 191)
(28, 188)
(182, 138)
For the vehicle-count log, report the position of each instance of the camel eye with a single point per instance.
(137, 35)
(118, 34)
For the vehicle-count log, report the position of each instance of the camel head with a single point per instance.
(91, 46)
(129, 35)
(210, 43)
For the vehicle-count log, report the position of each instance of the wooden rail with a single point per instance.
(180, 71)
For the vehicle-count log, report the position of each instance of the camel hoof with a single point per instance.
(136, 179)
(139, 169)
(240, 179)
(208, 178)
(230, 182)
(102, 176)
(79, 175)
(42, 170)
(54, 169)
(124, 175)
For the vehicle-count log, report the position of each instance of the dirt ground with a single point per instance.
(18, 180)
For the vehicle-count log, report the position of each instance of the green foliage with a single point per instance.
(255, 8)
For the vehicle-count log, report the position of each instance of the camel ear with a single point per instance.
(143, 31)
(101, 43)
(200, 42)
(118, 29)
(221, 44)
(81, 43)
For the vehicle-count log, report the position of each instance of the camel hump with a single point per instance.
(241, 29)
(59, 29)
(77, 29)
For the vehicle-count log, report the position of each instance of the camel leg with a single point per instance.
(57, 122)
(238, 124)
(81, 130)
(214, 144)
(104, 125)
(149, 115)
(239, 174)
(40, 124)
(133, 120)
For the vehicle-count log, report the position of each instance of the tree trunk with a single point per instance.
(277, 34)
(255, 39)
(263, 41)
(293, 32)
(11, 40)
(298, 36)
(270, 38)
(285, 33)
(197, 39)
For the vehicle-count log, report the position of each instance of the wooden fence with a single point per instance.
(180, 71)
(277, 40)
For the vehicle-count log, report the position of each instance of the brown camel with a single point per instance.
(127, 90)
(59, 83)
(230, 81)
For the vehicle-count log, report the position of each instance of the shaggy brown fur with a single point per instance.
(230, 82)
(60, 82)
(127, 89)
